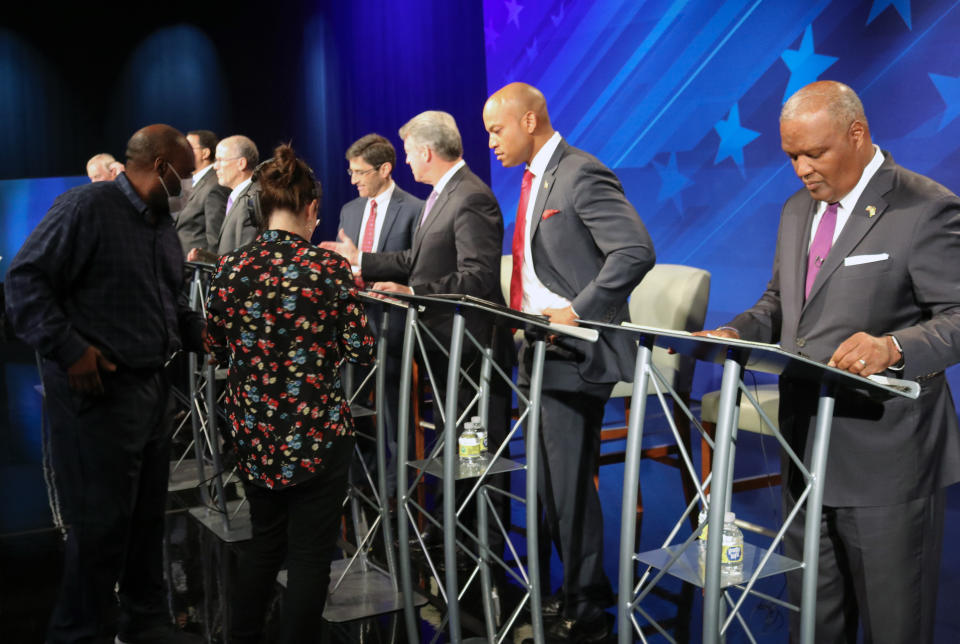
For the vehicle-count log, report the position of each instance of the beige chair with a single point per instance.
(671, 296)
(769, 398)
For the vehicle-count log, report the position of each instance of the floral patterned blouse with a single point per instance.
(283, 312)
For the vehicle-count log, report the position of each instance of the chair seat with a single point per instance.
(664, 366)
(767, 395)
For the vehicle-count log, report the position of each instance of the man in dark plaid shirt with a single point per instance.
(96, 290)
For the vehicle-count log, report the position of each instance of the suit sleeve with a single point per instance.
(762, 321)
(387, 267)
(214, 210)
(933, 343)
(620, 236)
(478, 236)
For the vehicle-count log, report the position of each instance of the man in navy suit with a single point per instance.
(384, 211)
(579, 249)
(383, 218)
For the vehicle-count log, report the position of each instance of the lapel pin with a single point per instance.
(546, 184)
(871, 211)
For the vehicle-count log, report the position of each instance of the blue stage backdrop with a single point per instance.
(682, 100)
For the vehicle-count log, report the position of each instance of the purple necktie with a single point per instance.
(426, 209)
(822, 241)
(229, 203)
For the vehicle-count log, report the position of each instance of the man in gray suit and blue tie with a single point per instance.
(579, 249)
(865, 278)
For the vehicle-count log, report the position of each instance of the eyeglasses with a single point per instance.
(222, 161)
(359, 173)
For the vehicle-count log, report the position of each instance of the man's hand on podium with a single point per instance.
(391, 287)
(864, 354)
(722, 332)
(561, 316)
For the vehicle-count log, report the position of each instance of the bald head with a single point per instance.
(237, 157)
(518, 122)
(98, 167)
(158, 158)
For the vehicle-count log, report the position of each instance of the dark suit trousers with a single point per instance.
(498, 420)
(571, 415)
(878, 565)
(111, 463)
(298, 525)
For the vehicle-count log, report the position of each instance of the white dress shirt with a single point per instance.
(536, 296)
(201, 173)
(849, 201)
(383, 202)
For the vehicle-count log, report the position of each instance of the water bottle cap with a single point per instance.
(729, 517)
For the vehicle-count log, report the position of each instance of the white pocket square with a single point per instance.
(855, 260)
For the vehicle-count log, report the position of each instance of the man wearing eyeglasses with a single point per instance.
(382, 219)
(384, 216)
(237, 158)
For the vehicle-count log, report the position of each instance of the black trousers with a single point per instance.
(298, 525)
(571, 416)
(498, 426)
(111, 461)
(878, 568)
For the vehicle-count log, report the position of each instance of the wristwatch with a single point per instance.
(899, 365)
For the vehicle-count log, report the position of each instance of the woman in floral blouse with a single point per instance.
(283, 313)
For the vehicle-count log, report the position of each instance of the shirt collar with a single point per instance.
(540, 160)
(201, 173)
(383, 198)
(236, 191)
(448, 175)
(127, 189)
(850, 200)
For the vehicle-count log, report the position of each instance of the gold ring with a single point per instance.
(862, 362)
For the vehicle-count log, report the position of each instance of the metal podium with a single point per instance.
(680, 559)
(443, 462)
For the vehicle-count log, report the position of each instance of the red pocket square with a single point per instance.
(547, 214)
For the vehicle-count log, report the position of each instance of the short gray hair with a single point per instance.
(245, 148)
(435, 130)
(104, 159)
(839, 100)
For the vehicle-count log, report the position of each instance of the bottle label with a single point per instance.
(732, 551)
(469, 447)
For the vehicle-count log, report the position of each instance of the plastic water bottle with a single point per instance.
(481, 434)
(469, 445)
(731, 554)
(702, 521)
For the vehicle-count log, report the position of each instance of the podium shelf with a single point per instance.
(434, 467)
(689, 567)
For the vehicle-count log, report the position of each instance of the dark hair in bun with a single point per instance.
(286, 183)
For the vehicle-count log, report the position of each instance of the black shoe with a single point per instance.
(586, 631)
(552, 607)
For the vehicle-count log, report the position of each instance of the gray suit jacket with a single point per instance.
(204, 209)
(590, 246)
(888, 453)
(456, 250)
(239, 227)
